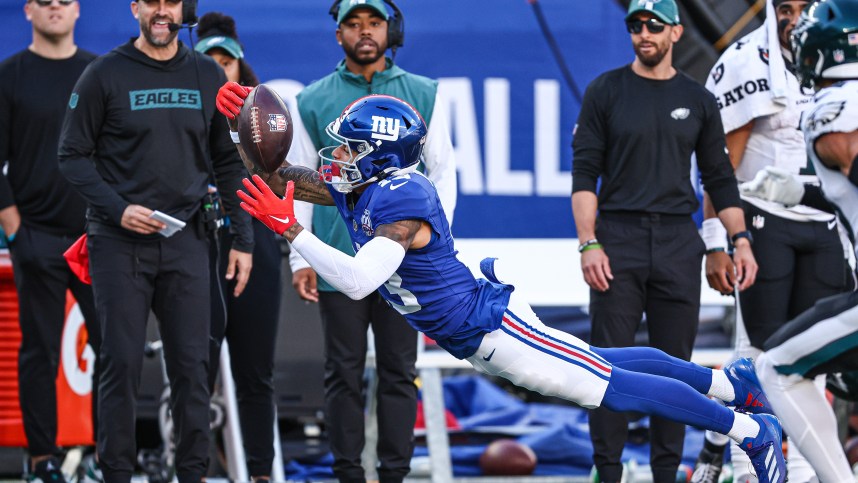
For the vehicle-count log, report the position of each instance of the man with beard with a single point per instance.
(637, 129)
(42, 215)
(142, 134)
(365, 30)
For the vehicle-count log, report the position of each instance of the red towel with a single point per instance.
(77, 256)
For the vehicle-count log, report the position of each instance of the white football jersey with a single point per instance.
(834, 109)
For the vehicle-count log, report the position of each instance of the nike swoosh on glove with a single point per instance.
(230, 98)
(275, 212)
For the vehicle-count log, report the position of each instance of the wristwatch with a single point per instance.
(743, 234)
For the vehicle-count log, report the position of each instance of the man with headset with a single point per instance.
(142, 134)
(365, 30)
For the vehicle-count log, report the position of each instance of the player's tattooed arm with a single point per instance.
(308, 185)
(408, 233)
(292, 232)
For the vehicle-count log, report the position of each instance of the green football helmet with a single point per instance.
(825, 42)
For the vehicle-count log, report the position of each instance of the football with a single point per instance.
(507, 457)
(264, 129)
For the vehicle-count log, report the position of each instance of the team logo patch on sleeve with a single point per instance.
(277, 122)
(823, 115)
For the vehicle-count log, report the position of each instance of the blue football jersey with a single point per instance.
(433, 289)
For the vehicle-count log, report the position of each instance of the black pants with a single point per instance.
(345, 322)
(171, 277)
(656, 262)
(42, 277)
(800, 263)
(250, 327)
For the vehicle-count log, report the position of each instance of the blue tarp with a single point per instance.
(558, 434)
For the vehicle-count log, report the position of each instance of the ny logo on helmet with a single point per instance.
(385, 128)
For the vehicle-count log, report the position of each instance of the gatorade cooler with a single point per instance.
(74, 379)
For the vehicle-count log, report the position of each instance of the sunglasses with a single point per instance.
(653, 25)
(48, 3)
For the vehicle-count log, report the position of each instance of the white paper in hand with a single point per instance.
(173, 224)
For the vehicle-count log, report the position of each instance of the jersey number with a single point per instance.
(409, 301)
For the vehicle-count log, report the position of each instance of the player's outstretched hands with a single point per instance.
(230, 98)
(275, 212)
(774, 184)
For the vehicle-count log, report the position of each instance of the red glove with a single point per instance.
(276, 213)
(230, 98)
(328, 171)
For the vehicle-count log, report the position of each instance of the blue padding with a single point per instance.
(557, 433)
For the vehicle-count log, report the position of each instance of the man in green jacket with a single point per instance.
(365, 30)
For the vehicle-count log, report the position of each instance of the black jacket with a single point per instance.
(142, 131)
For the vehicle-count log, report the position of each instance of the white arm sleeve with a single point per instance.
(356, 276)
(440, 159)
(302, 153)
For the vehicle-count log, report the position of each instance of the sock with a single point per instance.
(715, 441)
(721, 387)
(743, 427)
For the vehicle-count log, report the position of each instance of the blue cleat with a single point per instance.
(765, 450)
(750, 397)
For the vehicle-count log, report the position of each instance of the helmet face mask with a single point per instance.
(825, 42)
(381, 135)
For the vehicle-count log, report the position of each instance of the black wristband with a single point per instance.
(743, 234)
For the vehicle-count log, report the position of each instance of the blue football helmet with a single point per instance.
(382, 135)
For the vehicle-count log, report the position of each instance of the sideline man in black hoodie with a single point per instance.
(134, 141)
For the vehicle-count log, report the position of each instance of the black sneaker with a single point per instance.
(707, 469)
(47, 471)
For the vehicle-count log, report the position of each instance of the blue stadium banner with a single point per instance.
(511, 112)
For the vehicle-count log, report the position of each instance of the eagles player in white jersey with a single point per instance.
(823, 339)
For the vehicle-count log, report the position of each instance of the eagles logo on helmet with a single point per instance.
(383, 136)
(825, 42)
